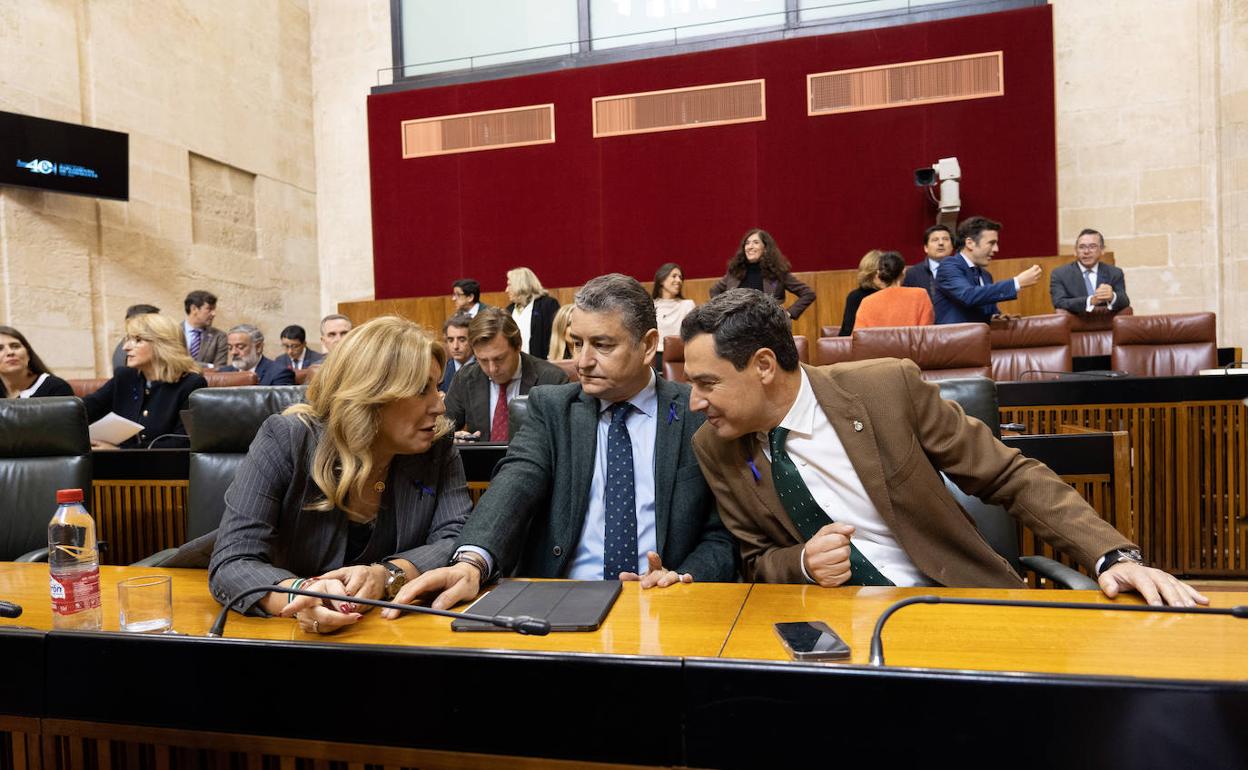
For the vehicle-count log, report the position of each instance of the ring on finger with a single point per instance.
(316, 626)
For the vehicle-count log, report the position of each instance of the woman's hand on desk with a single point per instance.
(316, 618)
(658, 576)
(102, 445)
(1157, 587)
(454, 584)
(364, 580)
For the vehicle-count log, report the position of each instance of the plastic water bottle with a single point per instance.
(74, 565)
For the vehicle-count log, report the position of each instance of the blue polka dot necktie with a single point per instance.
(806, 514)
(619, 552)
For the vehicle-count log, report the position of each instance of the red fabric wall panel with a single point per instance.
(828, 188)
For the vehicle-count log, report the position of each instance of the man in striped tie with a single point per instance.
(205, 342)
(1089, 285)
(832, 475)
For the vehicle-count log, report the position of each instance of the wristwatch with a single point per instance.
(1118, 556)
(395, 580)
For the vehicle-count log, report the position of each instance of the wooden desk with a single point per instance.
(1003, 639)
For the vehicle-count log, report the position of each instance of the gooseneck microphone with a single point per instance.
(521, 624)
(877, 642)
(10, 610)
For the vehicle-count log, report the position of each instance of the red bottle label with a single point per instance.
(75, 594)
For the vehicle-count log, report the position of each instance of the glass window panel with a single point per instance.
(476, 33)
(810, 10)
(616, 23)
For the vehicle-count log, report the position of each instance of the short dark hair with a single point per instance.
(491, 322)
(890, 268)
(1090, 231)
(927, 234)
(661, 275)
(742, 322)
(623, 294)
(134, 310)
(974, 227)
(469, 287)
(198, 298)
(459, 321)
(294, 332)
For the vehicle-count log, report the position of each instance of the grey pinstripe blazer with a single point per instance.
(266, 536)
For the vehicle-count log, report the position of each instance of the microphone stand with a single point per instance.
(877, 642)
(521, 624)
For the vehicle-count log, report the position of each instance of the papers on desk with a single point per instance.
(113, 428)
(1224, 370)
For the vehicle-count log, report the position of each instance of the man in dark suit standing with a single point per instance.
(832, 474)
(479, 397)
(298, 355)
(601, 482)
(1089, 285)
(459, 350)
(205, 342)
(965, 291)
(246, 345)
(937, 244)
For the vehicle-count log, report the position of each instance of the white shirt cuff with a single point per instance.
(801, 562)
(484, 554)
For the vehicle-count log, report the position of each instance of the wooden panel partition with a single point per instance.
(138, 517)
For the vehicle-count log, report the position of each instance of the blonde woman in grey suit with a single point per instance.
(355, 492)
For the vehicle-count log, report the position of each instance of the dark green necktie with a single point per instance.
(806, 514)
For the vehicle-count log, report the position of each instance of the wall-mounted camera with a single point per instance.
(948, 174)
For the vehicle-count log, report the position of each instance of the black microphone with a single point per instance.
(10, 610)
(1234, 365)
(521, 624)
(152, 443)
(877, 642)
(1090, 374)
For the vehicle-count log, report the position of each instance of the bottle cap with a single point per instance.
(68, 496)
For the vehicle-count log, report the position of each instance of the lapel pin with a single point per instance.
(671, 413)
(424, 490)
(758, 477)
(858, 425)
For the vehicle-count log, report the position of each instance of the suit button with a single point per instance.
(557, 551)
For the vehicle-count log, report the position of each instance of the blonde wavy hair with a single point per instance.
(525, 285)
(384, 360)
(559, 347)
(170, 358)
(867, 269)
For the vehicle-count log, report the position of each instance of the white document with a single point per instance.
(113, 428)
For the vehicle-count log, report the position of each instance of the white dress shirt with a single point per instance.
(523, 316)
(29, 392)
(513, 389)
(1083, 273)
(824, 466)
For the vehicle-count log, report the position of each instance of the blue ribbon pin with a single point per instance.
(671, 414)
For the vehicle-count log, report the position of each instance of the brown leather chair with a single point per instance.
(569, 367)
(84, 388)
(303, 375)
(829, 331)
(1165, 345)
(229, 379)
(941, 352)
(803, 348)
(833, 350)
(1029, 348)
(1091, 334)
(674, 359)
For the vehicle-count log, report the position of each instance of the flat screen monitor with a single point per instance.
(64, 157)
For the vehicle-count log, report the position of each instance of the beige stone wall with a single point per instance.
(216, 97)
(350, 43)
(1152, 132)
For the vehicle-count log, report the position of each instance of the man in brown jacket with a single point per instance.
(831, 474)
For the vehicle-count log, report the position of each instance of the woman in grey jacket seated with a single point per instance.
(354, 492)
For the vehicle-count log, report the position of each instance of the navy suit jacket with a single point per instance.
(919, 276)
(960, 299)
(269, 372)
(310, 357)
(452, 368)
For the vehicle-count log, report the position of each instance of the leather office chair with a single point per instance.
(829, 331)
(303, 376)
(803, 348)
(84, 388)
(1174, 345)
(517, 412)
(229, 379)
(833, 350)
(674, 359)
(44, 447)
(226, 421)
(569, 368)
(1030, 348)
(941, 352)
(1091, 334)
(978, 398)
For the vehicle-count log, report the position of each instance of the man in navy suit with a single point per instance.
(937, 244)
(298, 355)
(1088, 285)
(246, 346)
(455, 330)
(965, 291)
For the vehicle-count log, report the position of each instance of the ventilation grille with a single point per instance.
(900, 85)
(680, 108)
(473, 131)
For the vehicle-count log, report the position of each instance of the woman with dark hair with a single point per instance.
(22, 372)
(758, 264)
(670, 305)
(894, 304)
(867, 285)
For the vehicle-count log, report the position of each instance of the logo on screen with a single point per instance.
(38, 166)
(60, 169)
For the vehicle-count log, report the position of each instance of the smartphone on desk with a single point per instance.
(812, 640)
